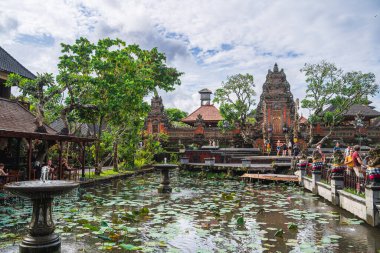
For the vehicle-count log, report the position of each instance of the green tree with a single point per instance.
(108, 81)
(175, 114)
(43, 94)
(236, 99)
(329, 87)
(152, 146)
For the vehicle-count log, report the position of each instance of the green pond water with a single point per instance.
(201, 215)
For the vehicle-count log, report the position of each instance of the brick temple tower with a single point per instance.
(276, 109)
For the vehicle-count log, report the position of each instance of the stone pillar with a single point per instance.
(315, 177)
(337, 183)
(184, 160)
(302, 165)
(372, 202)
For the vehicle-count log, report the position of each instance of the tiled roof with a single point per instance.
(363, 110)
(11, 65)
(82, 129)
(303, 120)
(14, 117)
(208, 112)
(205, 91)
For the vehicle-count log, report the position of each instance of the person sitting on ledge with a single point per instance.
(67, 169)
(2, 173)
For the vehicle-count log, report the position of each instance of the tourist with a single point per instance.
(319, 149)
(68, 170)
(278, 147)
(347, 151)
(349, 162)
(337, 147)
(268, 148)
(2, 174)
(290, 148)
(284, 149)
(357, 160)
(296, 149)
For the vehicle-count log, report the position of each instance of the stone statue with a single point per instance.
(45, 173)
(373, 168)
(317, 161)
(338, 166)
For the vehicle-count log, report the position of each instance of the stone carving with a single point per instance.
(157, 113)
(373, 169)
(338, 166)
(276, 96)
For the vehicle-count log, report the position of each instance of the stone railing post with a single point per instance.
(302, 166)
(337, 182)
(316, 175)
(372, 195)
(372, 202)
(184, 160)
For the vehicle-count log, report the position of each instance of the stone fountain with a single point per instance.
(41, 237)
(165, 178)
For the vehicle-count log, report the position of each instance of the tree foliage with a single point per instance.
(175, 114)
(236, 99)
(108, 81)
(104, 83)
(331, 92)
(42, 92)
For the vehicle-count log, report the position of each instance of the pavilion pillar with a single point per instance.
(83, 157)
(60, 176)
(30, 152)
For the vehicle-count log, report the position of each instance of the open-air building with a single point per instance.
(20, 139)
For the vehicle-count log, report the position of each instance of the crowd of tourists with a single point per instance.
(283, 148)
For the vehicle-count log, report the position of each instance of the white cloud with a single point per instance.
(257, 33)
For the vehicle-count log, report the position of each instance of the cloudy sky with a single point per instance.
(208, 40)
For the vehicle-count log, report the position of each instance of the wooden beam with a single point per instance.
(44, 136)
(60, 176)
(30, 152)
(83, 158)
(3, 75)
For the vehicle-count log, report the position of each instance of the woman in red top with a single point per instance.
(357, 160)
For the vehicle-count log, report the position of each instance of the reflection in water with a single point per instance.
(199, 216)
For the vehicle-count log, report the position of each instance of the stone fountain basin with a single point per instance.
(40, 189)
(165, 166)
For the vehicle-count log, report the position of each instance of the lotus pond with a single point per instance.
(203, 214)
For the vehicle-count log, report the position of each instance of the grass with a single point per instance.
(107, 173)
(353, 191)
(324, 181)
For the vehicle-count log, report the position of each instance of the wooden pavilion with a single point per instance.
(18, 128)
